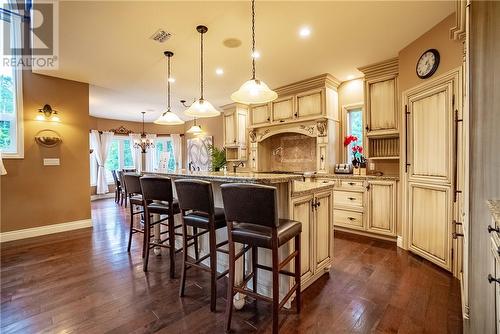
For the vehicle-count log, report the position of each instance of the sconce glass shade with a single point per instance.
(202, 108)
(168, 118)
(47, 114)
(254, 92)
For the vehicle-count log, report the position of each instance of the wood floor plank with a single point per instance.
(85, 281)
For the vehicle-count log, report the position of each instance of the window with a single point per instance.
(11, 134)
(354, 128)
(119, 156)
(165, 158)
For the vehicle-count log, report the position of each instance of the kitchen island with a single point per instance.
(311, 203)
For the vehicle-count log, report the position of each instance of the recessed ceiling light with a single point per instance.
(256, 54)
(350, 77)
(219, 71)
(305, 32)
(171, 80)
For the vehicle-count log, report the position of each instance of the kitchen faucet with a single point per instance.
(237, 165)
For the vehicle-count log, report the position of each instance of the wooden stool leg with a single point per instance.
(255, 260)
(196, 250)
(230, 285)
(126, 197)
(297, 273)
(131, 227)
(184, 259)
(213, 268)
(147, 236)
(171, 241)
(144, 243)
(276, 291)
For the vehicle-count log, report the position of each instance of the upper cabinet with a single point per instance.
(305, 100)
(381, 98)
(235, 131)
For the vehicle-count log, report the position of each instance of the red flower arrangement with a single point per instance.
(357, 151)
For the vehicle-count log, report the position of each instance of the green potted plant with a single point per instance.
(218, 157)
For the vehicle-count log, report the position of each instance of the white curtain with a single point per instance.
(177, 144)
(136, 152)
(151, 163)
(100, 145)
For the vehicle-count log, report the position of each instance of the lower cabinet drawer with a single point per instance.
(347, 218)
(348, 198)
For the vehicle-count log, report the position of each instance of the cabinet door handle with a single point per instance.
(455, 161)
(491, 229)
(351, 198)
(268, 119)
(367, 128)
(406, 139)
(492, 279)
(351, 218)
(296, 115)
(282, 120)
(455, 235)
(351, 183)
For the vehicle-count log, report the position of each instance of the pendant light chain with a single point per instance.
(201, 61)
(168, 85)
(253, 39)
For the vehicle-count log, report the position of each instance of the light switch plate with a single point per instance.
(372, 166)
(51, 162)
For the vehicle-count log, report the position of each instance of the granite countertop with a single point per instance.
(494, 206)
(244, 177)
(359, 177)
(301, 188)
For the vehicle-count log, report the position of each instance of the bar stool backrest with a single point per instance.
(196, 195)
(115, 178)
(250, 203)
(156, 188)
(132, 183)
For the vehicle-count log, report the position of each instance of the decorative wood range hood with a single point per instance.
(306, 108)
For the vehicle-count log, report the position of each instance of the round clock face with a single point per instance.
(428, 63)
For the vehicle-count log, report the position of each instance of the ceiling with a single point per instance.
(107, 44)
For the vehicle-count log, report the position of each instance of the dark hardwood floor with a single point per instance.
(85, 282)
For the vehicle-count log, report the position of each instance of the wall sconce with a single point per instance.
(48, 138)
(47, 114)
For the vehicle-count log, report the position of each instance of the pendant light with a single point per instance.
(144, 143)
(201, 107)
(254, 91)
(195, 129)
(168, 117)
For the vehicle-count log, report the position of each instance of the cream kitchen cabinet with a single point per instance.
(283, 109)
(235, 122)
(366, 205)
(381, 98)
(315, 212)
(310, 104)
(260, 114)
(381, 205)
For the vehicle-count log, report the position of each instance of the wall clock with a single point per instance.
(427, 64)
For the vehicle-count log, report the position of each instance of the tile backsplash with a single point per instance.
(292, 152)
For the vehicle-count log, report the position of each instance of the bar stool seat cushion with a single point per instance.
(136, 199)
(163, 207)
(200, 219)
(261, 236)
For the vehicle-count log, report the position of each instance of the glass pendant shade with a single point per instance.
(254, 92)
(195, 129)
(169, 118)
(202, 108)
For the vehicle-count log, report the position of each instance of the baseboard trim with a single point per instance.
(102, 196)
(363, 233)
(44, 230)
(399, 241)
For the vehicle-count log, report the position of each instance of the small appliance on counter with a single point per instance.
(343, 169)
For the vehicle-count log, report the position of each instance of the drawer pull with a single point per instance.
(351, 218)
(491, 229)
(351, 183)
(351, 198)
(492, 279)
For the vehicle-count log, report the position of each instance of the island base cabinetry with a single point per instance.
(315, 212)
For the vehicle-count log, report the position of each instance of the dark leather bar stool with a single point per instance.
(123, 189)
(158, 199)
(133, 185)
(252, 219)
(196, 202)
(118, 186)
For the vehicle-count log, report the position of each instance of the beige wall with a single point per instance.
(451, 53)
(34, 195)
